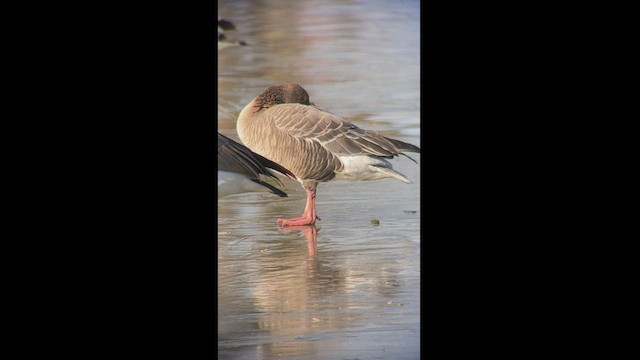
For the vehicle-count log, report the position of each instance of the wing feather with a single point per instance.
(336, 135)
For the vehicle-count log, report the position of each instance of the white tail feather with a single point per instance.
(364, 167)
(394, 174)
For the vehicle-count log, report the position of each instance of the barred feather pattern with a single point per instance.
(281, 125)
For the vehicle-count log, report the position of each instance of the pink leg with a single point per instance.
(308, 216)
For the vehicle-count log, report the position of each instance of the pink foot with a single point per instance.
(308, 217)
(301, 220)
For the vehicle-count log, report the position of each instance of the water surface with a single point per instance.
(344, 289)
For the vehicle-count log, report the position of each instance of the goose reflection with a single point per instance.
(310, 233)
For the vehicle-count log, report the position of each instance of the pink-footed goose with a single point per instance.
(239, 169)
(317, 146)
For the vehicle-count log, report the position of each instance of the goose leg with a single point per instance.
(309, 215)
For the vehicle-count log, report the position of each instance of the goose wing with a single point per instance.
(235, 157)
(336, 135)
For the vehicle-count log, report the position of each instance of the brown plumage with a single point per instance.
(235, 158)
(317, 146)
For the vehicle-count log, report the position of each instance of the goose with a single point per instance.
(223, 41)
(316, 145)
(225, 24)
(239, 170)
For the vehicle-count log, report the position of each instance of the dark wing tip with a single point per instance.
(409, 157)
(273, 189)
(403, 146)
(275, 166)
